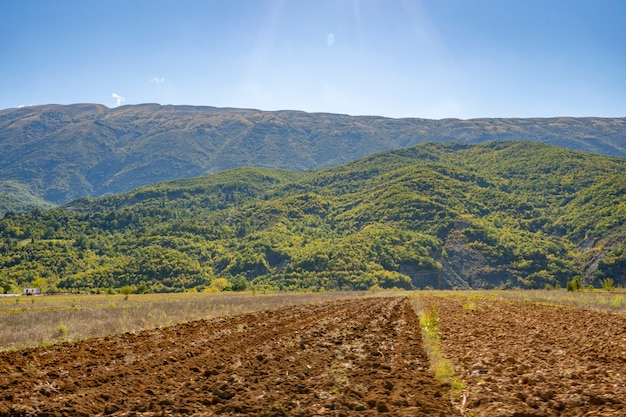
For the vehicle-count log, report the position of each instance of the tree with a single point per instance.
(126, 290)
(221, 284)
(40, 283)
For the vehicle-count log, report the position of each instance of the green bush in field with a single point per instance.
(575, 284)
(617, 301)
(62, 330)
(608, 284)
(126, 290)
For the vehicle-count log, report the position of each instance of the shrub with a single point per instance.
(575, 284)
(608, 284)
(62, 330)
(617, 301)
(126, 290)
(470, 305)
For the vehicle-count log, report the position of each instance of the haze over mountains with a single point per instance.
(52, 154)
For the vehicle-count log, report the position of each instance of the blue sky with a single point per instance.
(395, 58)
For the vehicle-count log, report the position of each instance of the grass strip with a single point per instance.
(440, 366)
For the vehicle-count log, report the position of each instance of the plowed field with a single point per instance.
(341, 358)
(357, 357)
(527, 359)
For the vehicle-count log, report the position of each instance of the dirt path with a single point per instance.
(526, 359)
(356, 357)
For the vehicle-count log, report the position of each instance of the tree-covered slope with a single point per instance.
(54, 154)
(499, 214)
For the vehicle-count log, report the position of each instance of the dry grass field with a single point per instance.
(44, 320)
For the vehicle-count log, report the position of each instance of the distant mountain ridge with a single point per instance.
(53, 154)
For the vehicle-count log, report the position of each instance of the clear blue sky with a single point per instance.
(431, 59)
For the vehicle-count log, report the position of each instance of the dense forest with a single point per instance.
(494, 215)
(53, 154)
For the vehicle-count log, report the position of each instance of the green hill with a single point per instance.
(54, 154)
(500, 214)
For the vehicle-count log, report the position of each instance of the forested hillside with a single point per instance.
(50, 155)
(502, 214)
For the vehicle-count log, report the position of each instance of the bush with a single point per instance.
(239, 283)
(575, 284)
(617, 301)
(126, 290)
(608, 284)
(62, 329)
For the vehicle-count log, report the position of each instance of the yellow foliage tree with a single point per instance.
(220, 284)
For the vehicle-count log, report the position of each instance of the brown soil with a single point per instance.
(357, 357)
(527, 359)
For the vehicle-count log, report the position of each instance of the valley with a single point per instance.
(363, 355)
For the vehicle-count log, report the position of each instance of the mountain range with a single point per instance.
(497, 214)
(52, 154)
